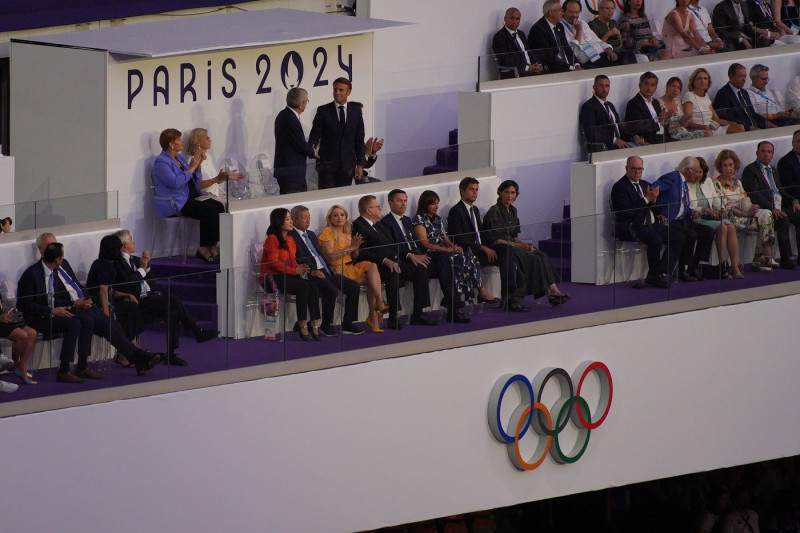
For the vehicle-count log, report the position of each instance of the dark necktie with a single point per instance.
(616, 129)
(562, 42)
(514, 38)
(685, 199)
(341, 116)
(746, 107)
(133, 265)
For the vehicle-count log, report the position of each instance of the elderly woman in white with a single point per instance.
(200, 141)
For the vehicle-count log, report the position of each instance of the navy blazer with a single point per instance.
(32, 292)
(291, 147)
(670, 194)
(598, 130)
(759, 190)
(336, 145)
(728, 107)
(544, 42)
(639, 121)
(630, 209)
(128, 278)
(391, 224)
(461, 230)
(303, 254)
(509, 54)
(727, 24)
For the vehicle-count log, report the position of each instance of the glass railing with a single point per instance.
(64, 210)
(260, 179)
(596, 53)
(404, 292)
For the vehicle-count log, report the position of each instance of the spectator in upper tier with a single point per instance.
(605, 27)
(637, 35)
(511, 47)
(704, 26)
(548, 36)
(768, 103)
(681, 35)
(644, 117)
(733, 103)
(590, 50)
(600, 121)
(697, 103)
(677, 120)
(731, 19)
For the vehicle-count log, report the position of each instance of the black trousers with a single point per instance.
(171, 309)
(782, 233)
(417, 275)
(511, 289)
(207, 212)
(441, 268)
(697, 243)
(332, 174)
(655, 236)
(329, 288)
(306, 295)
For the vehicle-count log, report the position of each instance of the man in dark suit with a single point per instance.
(511, 48)
(403, 234)
(731, 20)
(53, 302)
(328, 279)
(643, 115)
(134, 271)
(732, 101)
(600, 121)
(638, 218)
(338, 134)
(789, 168)
(291, 147)
(549, 39)
(673, 197)
(394, 261)
(465, 227)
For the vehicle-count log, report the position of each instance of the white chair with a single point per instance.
(174, 227)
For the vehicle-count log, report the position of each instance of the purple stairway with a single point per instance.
(195, 283)
(559, 246)
(446, 158)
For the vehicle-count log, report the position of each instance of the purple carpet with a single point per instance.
(222, 354)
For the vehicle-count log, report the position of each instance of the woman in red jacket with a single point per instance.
(279, 259)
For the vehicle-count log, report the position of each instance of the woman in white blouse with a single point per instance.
(199, 140)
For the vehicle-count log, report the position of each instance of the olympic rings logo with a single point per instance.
(569, 407)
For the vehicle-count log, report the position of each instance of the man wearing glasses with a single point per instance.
(637, 218)
(379, 247)
(768, 103)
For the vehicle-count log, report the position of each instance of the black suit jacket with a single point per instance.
(758, 189)
(378, 241)
(291, 147)
(554, 58)
(339, 147)
(789, 168)
(509, 54)
(630, 209)
(391, 224)
(598, 130)
(461, 230)
(728, 107)
(759, 18)
(639, 121)
(303, 254)
(32, 292)
(727, 24)
(129, 279)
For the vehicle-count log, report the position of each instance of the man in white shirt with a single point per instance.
(704, 26)
(644, 117)
(590, 50)
(767, 102)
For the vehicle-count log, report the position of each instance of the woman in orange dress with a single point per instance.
(340, 249)
(279, 258)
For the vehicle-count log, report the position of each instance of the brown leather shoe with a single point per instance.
(68, 377)
(88, 373)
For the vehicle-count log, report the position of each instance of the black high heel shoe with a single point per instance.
(210, 259)
(315, 333)
(305, 336)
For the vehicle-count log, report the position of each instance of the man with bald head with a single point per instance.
(673, 198)
(637, 217)
(511, 48)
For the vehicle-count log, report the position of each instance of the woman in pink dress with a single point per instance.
(681, 35)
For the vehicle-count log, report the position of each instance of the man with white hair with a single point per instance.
(549, 38)
(673, 198)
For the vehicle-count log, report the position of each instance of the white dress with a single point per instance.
(701, 112)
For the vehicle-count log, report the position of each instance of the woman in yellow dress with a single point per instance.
(340, 249)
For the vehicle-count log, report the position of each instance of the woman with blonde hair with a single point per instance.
(745, 215)
(340, 249)
(697, 104)
(199, 141)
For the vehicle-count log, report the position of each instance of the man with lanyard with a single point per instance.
(767, 102)
(590, 50)
(698, 238)
(702, 22)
